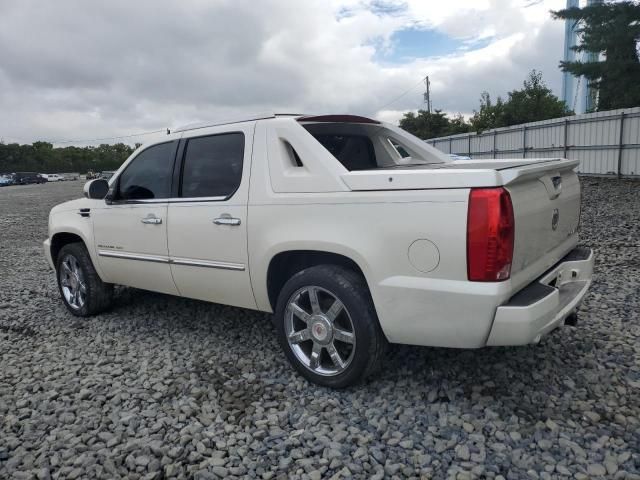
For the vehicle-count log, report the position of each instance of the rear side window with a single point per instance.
(149, 174)
(213, 165)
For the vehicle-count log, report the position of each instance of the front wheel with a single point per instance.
(82, 291)
(327, 326)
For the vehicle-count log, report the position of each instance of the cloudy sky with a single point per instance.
(78, 70)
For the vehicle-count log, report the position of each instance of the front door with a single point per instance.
(130, 233)
(208, 222)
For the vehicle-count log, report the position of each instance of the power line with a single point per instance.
(400, 96)
(89, 140)
(109, 138)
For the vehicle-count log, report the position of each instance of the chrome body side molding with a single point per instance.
(133, 256)
(174, 261)
(207, 263)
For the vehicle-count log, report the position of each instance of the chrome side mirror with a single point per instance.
(96, 189)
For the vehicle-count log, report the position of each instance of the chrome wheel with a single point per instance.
(72, 282)
(320, 331)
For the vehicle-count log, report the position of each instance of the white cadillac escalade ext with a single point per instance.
(353, 232)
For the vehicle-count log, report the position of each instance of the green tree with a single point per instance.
(532, 103)
(611, 31)
(490, 115)
(427, 125)
(458, 125)
(43, 157)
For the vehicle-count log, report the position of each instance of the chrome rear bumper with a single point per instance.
(545, 303)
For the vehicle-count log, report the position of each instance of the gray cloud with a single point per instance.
(77, 69)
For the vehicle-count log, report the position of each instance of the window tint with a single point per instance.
(149, 174)
(355, 152)
(400, 149)
(213, 165)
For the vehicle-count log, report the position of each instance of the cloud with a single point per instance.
(75, 69)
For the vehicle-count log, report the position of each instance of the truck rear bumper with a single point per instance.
(545, 303)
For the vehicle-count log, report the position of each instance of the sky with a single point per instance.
(75, 71)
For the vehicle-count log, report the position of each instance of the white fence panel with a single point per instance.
(606, 143)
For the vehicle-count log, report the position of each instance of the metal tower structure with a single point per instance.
(590, 93)
(576, 91)
(570, 40)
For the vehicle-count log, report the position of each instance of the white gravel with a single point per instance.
(163, 387)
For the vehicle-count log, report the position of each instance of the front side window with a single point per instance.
(149, 174)
(213, 165)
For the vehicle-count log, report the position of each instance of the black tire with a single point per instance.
(98, 295)
(351, 289)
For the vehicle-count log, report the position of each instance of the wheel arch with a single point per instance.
(60, 239)
(287, 263)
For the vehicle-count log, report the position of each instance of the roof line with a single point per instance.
(260, 116)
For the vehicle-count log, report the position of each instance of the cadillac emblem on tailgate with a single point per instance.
(554, 219)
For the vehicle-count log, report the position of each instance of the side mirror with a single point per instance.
(96, 189)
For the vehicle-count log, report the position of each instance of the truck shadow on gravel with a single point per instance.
(234, 389)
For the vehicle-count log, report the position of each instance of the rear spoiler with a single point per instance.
(516, 174)
(337, 119)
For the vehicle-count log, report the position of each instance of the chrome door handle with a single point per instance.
(153, 220)
(224, 220)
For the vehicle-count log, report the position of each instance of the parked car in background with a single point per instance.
(25, 178)
(52, 177)
(91, 175)
(351, 231)
(6, 179)
(70, 176)
(106, 174)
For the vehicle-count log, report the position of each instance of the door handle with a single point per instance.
(152, 219)
(226, 220)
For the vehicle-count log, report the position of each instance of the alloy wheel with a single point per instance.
(72, 282)
(320, 331)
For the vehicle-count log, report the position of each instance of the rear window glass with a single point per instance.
(371, 146)
(355, 152)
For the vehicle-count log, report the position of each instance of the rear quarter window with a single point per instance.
(212, 165)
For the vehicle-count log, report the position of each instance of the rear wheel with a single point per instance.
(327, 326)
(82, 291)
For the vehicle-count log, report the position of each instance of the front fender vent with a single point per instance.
(85, 212)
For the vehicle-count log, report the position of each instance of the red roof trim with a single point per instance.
(338, 119)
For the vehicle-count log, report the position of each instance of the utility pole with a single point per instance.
(427, 93)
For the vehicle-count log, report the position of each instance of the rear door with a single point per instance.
(207, 234)
(131, 233)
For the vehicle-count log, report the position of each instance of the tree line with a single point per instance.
(533, 102)
(43, 157)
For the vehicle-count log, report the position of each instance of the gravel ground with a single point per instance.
(163, 387)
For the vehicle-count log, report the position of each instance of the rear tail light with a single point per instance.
(490, 232)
